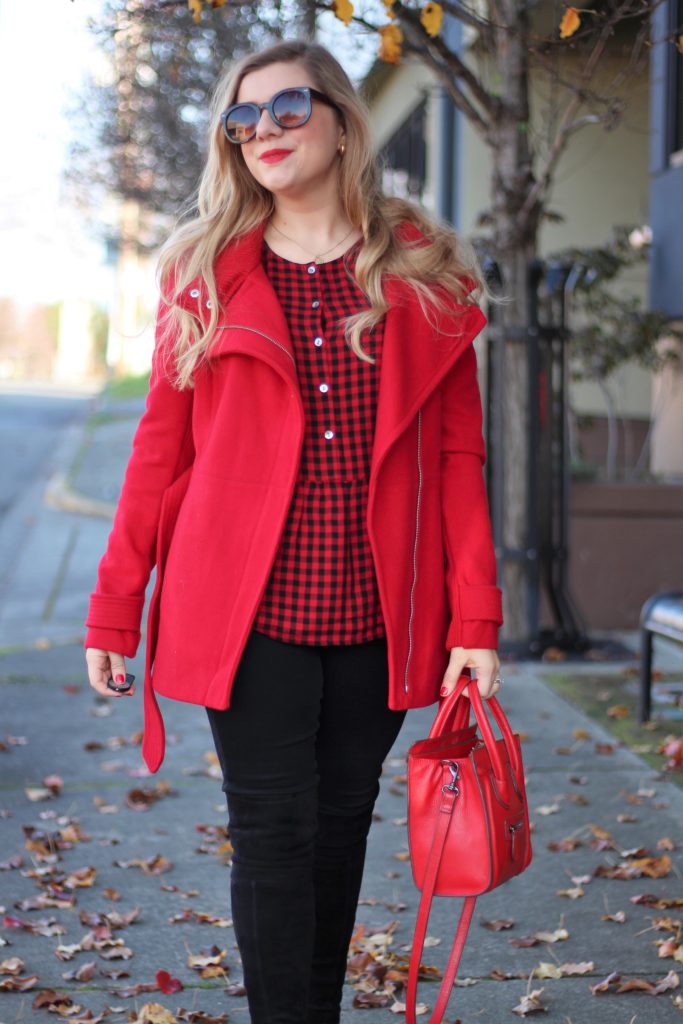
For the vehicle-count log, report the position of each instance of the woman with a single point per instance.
(313, 500)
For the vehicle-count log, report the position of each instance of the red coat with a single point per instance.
(211, 476)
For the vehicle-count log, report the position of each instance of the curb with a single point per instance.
(60, 496)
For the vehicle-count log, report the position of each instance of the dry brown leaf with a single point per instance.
(18, 984)
(565, 845)
(530, 1003)
(14, 965)
(604, 985)
(154, 1013)
(584, 967)
(499, 924)
(573, 894)
(547, 809)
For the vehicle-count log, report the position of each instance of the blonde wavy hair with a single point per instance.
(230, 203)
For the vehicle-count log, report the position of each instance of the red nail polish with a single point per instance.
(444, 691)
(120, 678)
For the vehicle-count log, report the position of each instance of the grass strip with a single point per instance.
(611, 699)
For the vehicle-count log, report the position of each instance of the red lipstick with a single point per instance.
(273, 156)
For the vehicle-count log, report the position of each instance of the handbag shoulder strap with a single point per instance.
(448, 795)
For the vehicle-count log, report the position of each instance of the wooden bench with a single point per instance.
(662, 615)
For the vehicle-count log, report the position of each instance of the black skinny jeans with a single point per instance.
(301, 749)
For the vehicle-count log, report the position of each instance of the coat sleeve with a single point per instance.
(475, 600)
(162, 448)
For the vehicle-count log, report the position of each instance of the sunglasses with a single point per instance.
(288, 108)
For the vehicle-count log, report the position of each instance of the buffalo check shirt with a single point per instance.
(322, 588)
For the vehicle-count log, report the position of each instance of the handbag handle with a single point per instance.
(447, 709)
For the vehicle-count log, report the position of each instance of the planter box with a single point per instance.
(625, 543)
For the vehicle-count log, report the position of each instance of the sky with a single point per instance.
(45, 52)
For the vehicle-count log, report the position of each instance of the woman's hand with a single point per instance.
(485, 662)
(102, 665)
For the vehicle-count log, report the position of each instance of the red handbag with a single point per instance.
(468, 820)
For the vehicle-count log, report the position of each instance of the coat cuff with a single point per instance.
(478, 617)
(120, 641)
(115, 612)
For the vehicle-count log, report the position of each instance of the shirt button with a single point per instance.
(315, 304)
(208, 304)
(324, 387)
(318, 341)
(311, 269)
(194, 294)
(329, 434)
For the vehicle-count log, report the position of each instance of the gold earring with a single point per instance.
(342, 149)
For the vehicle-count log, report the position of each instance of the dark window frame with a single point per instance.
(674, 91)
(405, 154)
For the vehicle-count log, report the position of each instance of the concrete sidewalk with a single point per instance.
(55, 725)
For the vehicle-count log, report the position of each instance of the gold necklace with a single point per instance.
(319, 257)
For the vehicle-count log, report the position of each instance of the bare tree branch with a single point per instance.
(450, 61)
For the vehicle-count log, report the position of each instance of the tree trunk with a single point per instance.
(515, 245)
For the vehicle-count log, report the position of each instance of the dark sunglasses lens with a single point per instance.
(240, 124)
(291, 108)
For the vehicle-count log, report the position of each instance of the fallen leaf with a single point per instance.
(604, 985)
(167, 984)
(547, 809)
(15, 965)
(18, 984)
(363, 1000)
(585, 967)
(573, 894)
(530, 1003)
(154, 1013)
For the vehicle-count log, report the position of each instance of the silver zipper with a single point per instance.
(242, 327)
(417, 531)
(513, 830)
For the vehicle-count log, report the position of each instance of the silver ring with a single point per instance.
(498, 680)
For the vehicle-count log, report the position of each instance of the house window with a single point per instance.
(675, 76)
(404, 157)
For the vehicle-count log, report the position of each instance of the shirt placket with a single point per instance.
(322, 370)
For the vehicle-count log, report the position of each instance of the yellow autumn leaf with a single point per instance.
(196, 7)
(431, 18)
(570, 23)
(391, 38)
(343, 10)
(679, 44)
(389, 7)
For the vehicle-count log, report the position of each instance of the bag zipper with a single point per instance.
(417, 532)
(513, 829)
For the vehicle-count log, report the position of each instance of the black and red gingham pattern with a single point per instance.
(322, 588)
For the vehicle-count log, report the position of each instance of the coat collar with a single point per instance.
(416, 355)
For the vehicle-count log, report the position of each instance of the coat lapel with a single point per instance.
(415, 359)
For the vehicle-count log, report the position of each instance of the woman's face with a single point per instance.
(309, 159)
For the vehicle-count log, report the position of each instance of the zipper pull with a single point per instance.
(513, 829)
